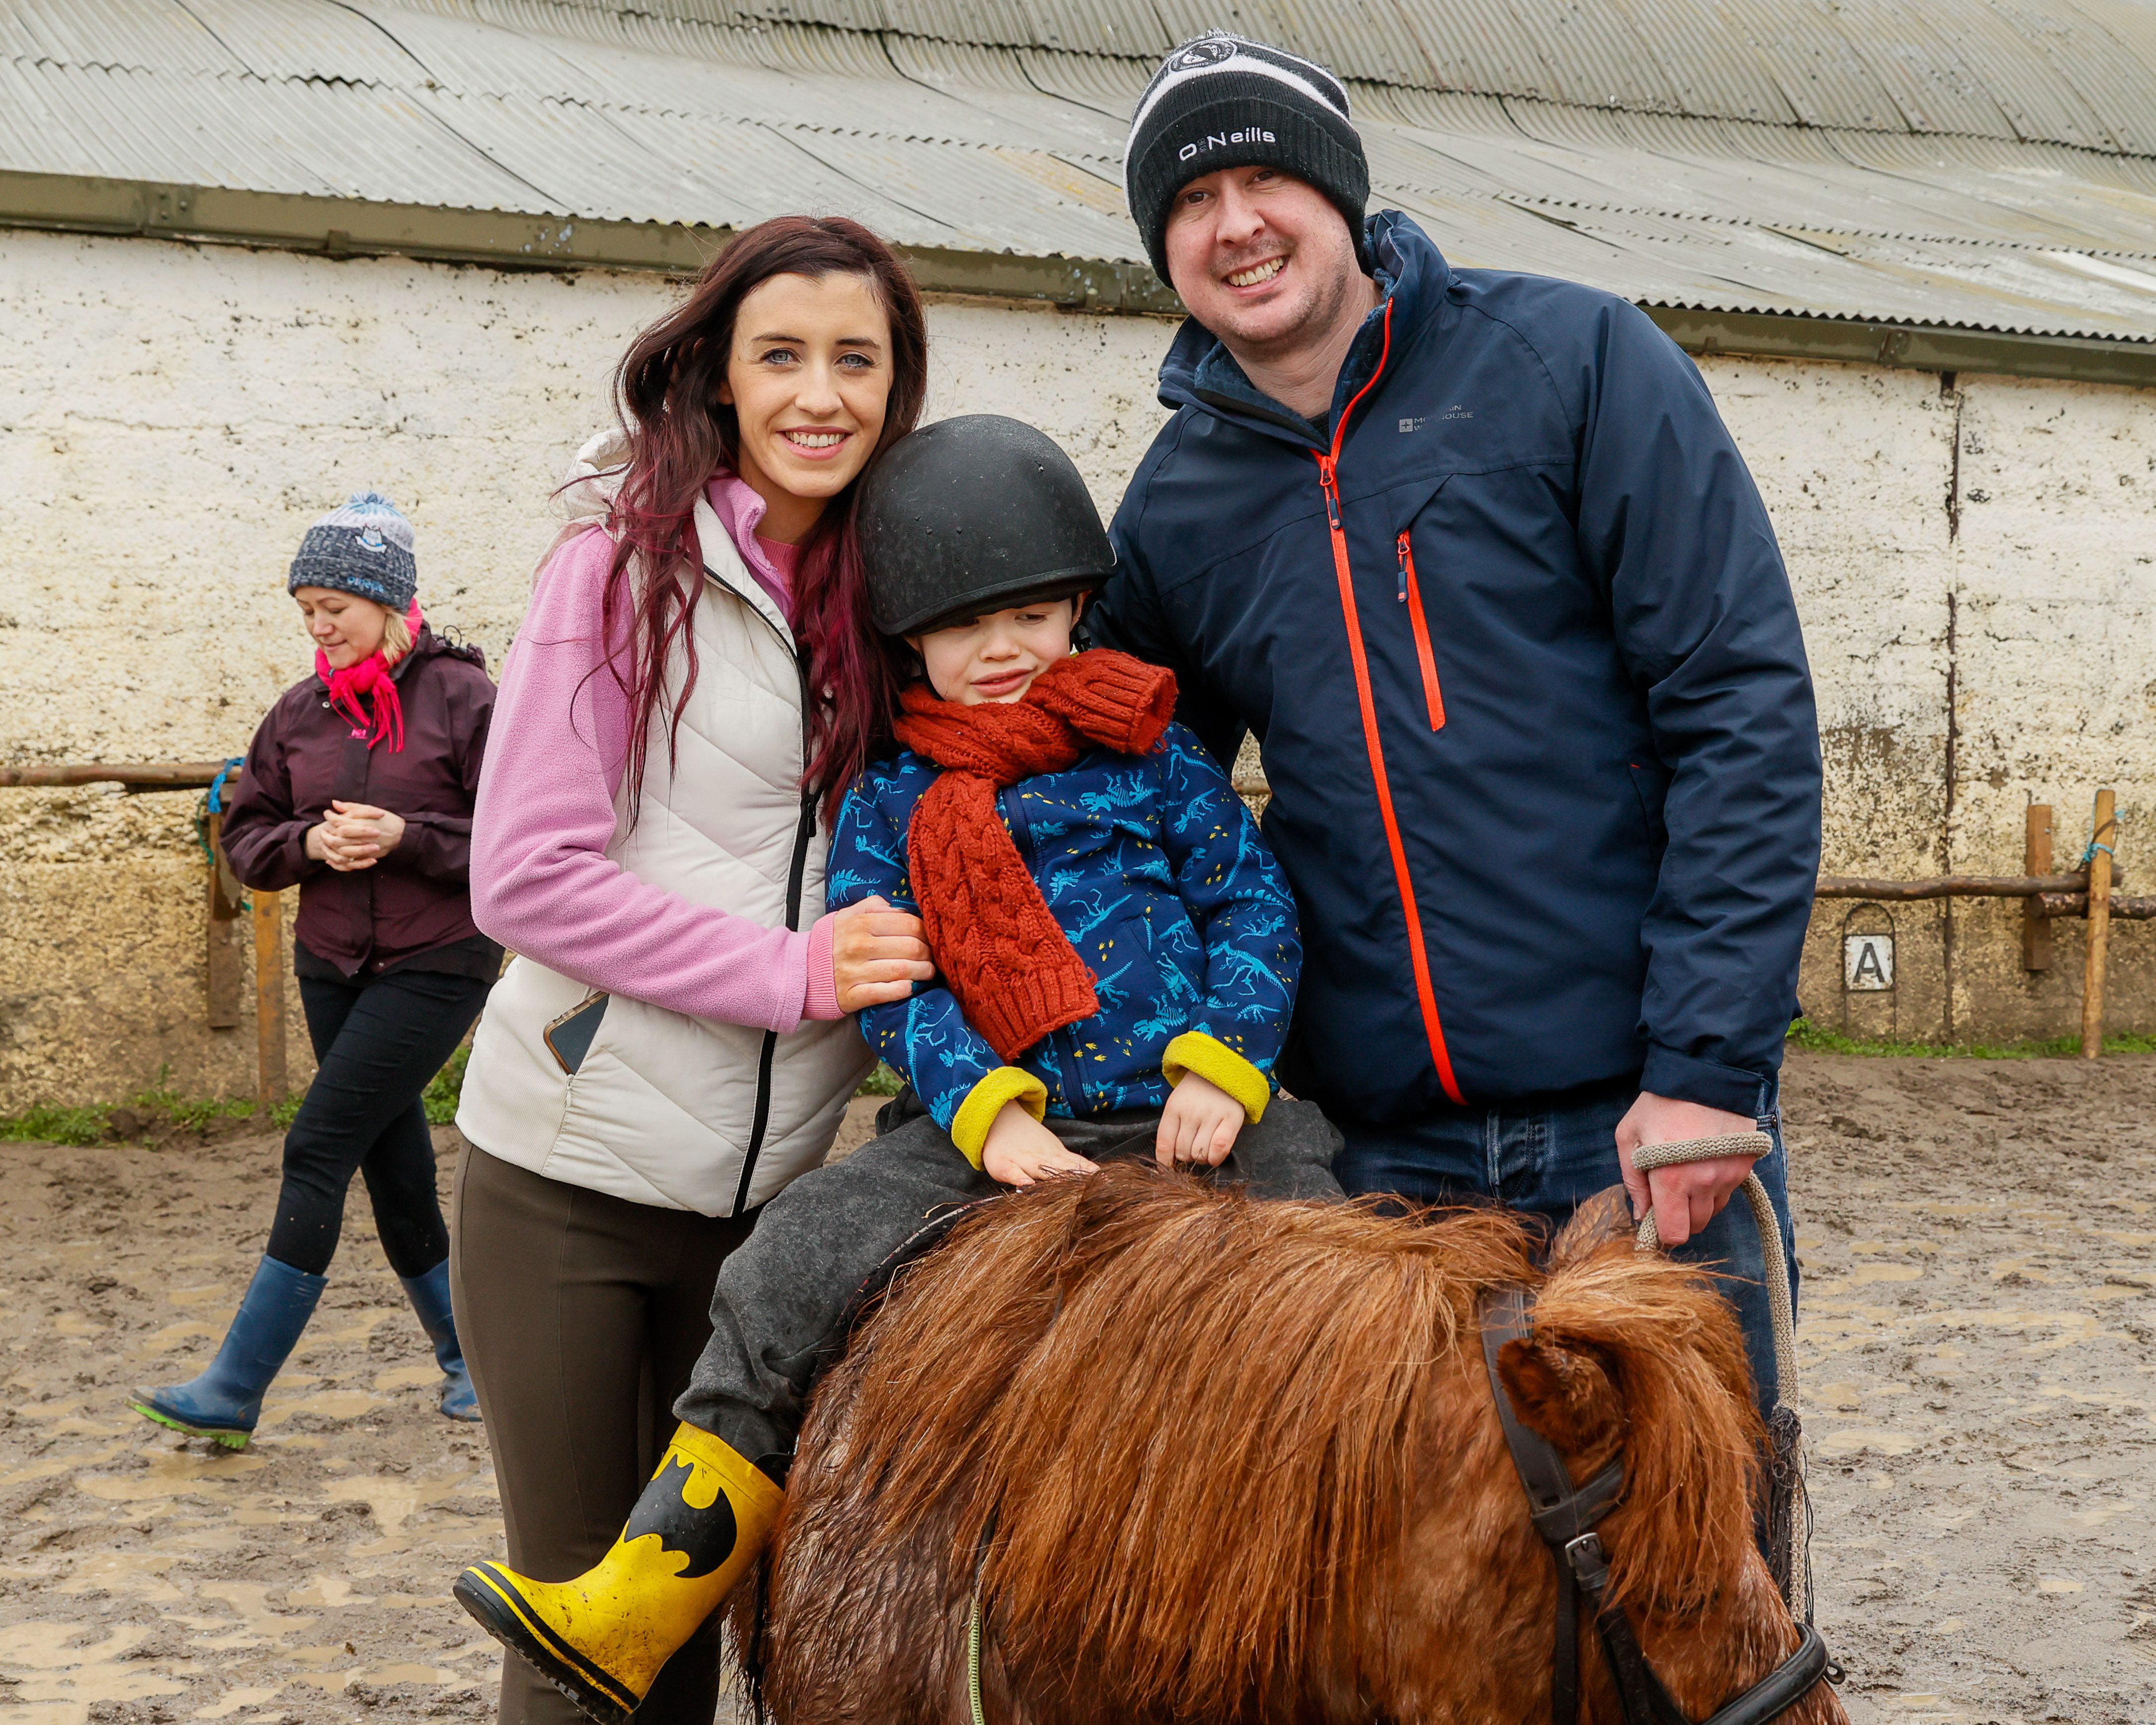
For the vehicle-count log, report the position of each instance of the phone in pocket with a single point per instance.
(569, 1037)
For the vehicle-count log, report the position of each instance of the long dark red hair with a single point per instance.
(680, 433)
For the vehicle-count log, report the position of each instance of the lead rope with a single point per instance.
(1781, 1308)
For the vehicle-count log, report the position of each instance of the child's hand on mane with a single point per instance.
(1020, 1150)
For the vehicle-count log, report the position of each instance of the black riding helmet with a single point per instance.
(975, 514)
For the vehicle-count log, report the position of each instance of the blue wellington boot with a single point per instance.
(430, 1298)
(226, 1400)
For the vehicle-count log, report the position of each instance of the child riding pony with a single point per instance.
(1117, 957)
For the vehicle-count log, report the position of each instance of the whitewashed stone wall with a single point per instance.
(171, 416)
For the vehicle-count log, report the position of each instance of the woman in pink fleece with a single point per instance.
(670, 1046)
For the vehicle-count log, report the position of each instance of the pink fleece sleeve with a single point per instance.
(542, 882)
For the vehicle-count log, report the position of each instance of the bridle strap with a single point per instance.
(1645, 1702)
(1561, 1515)
(1561, 1512)
(1639, 1692)
(1564, 1516)
(1780, 1689)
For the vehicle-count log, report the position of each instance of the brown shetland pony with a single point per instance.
(1214, 1462)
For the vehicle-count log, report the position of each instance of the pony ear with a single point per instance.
(1563, 1393)
(1604, 1218)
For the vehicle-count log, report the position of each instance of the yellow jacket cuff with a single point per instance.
(1213, 1061)
(969, 1126)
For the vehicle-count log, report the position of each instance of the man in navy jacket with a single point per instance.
(1473, 557)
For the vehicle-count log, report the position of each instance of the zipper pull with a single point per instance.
(1328, 480)
(1402, 547)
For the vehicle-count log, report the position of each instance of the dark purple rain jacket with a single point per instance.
(416, 899)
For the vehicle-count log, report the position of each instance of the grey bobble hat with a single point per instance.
(363, 548)
(1222, 101)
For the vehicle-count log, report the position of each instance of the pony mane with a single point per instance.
(1270, 1478)
(1176, 1440)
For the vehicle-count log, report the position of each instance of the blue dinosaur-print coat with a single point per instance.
(1158, 874)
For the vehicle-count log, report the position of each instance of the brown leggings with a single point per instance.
(581, 1316)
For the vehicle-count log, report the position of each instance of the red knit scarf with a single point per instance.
(998, 944)
(370, 677)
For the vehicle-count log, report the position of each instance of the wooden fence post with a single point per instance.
(221, 924)
(2101, 841)
(2036, 860)
(269, 999)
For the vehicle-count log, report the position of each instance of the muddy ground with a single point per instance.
(1979, 1250)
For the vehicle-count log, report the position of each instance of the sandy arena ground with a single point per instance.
(1979, 1250)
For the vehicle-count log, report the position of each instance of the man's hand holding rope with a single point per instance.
(1689, 1196)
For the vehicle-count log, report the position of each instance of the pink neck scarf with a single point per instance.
(370, 677)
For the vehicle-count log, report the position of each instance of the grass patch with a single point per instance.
(55, 1126)
(1818, 1040)
(446, 1087)
(162, 1104)
(88, 1123)
(881, 1082)
(161, 1108)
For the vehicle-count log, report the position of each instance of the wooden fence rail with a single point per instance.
(136, 776)
(2076, 904)
(1956, 886)
(2045, 897)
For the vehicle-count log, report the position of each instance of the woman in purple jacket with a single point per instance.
(358, 789)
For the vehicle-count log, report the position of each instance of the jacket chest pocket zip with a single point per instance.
(1419, 620)
(1328, 480)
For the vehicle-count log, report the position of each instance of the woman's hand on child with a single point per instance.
(1198, 1125)
(1020, 1150)
(877, 954)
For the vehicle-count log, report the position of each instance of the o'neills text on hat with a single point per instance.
(1221, 140)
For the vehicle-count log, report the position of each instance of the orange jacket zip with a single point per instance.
(1328, 479)
(1411, 597)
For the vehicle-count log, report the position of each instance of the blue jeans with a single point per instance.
(1548, 1157)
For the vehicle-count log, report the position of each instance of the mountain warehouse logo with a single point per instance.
(1220, 139)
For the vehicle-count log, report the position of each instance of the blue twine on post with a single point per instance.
(213, 802)
(2088, 855)
(216, 799)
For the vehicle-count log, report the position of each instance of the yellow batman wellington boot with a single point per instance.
(601, 1639)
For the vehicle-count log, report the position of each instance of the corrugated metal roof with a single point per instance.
(1989, 166)
(2080, 72)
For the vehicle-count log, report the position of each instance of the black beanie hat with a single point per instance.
(1225, 101)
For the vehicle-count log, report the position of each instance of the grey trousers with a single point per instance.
(783, 1299)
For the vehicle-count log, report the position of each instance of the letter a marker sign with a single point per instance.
(1867, 962)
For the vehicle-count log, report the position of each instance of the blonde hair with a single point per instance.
(396, 635)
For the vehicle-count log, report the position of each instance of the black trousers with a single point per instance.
(777, 1313)
(377, 1044)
